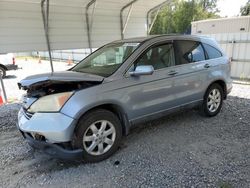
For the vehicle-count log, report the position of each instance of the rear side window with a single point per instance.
(212, 52)
(188, 52)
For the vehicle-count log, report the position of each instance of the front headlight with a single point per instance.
(50, 103)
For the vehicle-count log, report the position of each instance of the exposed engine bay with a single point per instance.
(57, 82)
(49, 87)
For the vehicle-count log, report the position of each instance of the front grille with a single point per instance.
(27, 114)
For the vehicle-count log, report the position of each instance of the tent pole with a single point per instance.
(153, 22)
(45, 16)
(149, 13)
(88, 22)
(127, 19)
(123, 27)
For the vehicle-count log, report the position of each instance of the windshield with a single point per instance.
(105, 61)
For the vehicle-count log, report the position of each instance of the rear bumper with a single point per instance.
(11, 67)
(53, 150)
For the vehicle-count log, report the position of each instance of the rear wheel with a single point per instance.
(2, 72)
(99, 134)
(213, 100)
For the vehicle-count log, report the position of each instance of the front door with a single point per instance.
(150, 94)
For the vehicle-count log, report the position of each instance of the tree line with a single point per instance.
(176, 17)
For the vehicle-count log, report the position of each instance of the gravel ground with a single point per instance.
(182, 150)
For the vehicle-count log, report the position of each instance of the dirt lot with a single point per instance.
(183, 150)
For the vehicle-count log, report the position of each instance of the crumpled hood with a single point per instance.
(63, 76)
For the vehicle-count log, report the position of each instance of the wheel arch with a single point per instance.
(223, 85)
(116, 109)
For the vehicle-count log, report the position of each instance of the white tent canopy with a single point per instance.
(72, 24)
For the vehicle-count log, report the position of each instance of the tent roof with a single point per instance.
(22, 26)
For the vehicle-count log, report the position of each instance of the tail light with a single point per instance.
(13, 60)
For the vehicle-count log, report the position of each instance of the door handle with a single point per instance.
(173, 72)
(206, 66)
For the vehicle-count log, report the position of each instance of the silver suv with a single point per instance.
(84, 112)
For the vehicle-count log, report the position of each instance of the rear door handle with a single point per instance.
(173, 72)
(206, 66)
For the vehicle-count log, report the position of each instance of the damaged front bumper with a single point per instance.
(48, 132)
(53, 150)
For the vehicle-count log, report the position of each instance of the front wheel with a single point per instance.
(213, 100)
(99, 134)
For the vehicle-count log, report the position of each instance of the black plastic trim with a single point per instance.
(53, 150)
(11, 67)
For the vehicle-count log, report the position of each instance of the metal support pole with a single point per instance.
(123, 27)
(149, 13)
(153, 22)
(127, 19)
(3, 88)
(89, 27)
(45, 15)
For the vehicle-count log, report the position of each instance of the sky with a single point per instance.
(230, 8)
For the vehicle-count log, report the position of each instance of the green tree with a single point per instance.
(209, 5)
(163, 23)
(245, 10)
(177, 17)
(184, 15)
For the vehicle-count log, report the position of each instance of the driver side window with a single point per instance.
(160, 56)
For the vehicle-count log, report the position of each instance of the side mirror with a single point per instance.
(142, 70)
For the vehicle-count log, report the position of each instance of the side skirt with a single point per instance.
(159, 114)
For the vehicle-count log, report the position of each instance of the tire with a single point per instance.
(213, 100)
(98, 144)
(3, 72)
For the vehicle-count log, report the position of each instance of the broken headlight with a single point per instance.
(50, 103)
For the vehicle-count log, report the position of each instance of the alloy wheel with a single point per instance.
(214, 100)
(99, 137)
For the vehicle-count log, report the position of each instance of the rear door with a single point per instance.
(190, 71)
